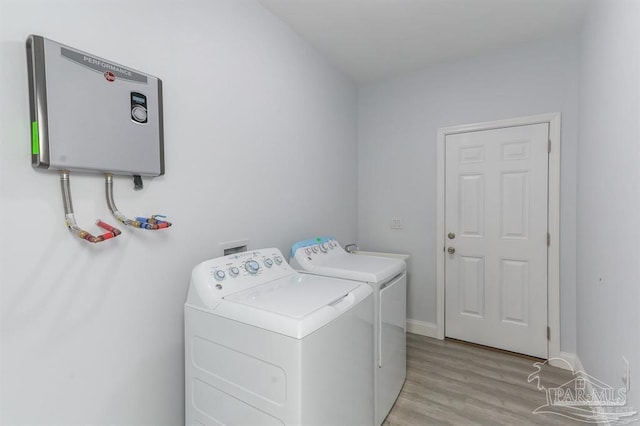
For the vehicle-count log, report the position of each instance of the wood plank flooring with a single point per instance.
(453, 383)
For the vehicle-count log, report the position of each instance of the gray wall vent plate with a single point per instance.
(91, 114)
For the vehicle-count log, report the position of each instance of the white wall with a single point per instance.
(260, 139)
(398, 122)
(608, 254)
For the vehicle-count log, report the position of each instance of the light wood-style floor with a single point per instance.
(454, 383)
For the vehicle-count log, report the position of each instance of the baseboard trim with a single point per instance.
(428, 329)
(568, 359)
(596, 409)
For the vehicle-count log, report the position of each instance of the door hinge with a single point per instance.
(548, 239)
(549, 146)
(548, 333)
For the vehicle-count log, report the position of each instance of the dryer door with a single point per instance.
(392, 360)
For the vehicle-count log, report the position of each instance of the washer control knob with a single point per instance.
(220, 275)
(278, 260)
(268, 262)
(314, 249)
(234, 271)
(252, 267)
(307, 250)
(323, 247)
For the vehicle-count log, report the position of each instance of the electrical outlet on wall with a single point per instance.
(396, 222)
(626, 373)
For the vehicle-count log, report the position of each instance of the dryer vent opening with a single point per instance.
(234, 250)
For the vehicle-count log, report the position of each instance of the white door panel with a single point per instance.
(496, 212)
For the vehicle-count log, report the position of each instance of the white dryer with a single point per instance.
(387, 277)
(266, 345)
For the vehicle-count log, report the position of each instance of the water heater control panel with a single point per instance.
(139, 108)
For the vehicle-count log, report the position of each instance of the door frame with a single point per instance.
(553, 220)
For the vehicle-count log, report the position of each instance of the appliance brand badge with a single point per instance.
(109, 70)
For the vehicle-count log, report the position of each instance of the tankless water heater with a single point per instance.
(91, 114)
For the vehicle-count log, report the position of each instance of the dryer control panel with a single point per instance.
(324, 256)
(316, 250)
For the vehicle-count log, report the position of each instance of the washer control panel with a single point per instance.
(216, 278)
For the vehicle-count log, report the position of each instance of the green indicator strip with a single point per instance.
(35, 138)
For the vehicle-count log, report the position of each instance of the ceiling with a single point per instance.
(374, 39)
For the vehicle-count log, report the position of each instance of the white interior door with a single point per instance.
(496, 197)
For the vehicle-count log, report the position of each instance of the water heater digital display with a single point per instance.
(92, 114)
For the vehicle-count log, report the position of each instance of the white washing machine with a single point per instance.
(387, 277)
(266, 345)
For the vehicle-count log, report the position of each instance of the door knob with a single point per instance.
(451, 235)
(451, 250)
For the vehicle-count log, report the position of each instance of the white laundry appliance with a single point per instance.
(387, 277)
(266, 345)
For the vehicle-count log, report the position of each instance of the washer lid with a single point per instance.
(295, 296)
(371, 269)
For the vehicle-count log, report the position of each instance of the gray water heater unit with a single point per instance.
(91, 114)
